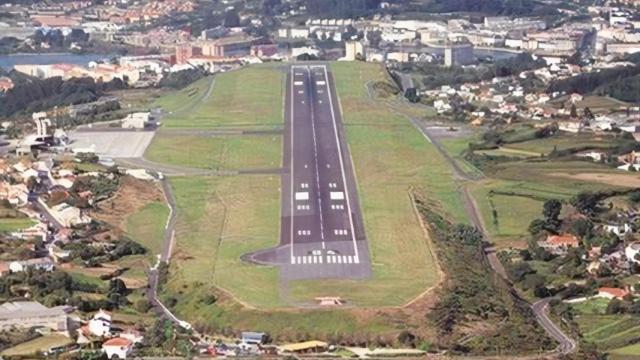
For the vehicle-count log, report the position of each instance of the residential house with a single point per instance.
(68, 215)
(619, 230)
(4, 268)
(613, 293)
(119, 347)
(132, 335)
(44, 263)
(559, 244)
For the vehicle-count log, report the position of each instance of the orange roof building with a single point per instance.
(566, 240)
(611, 293)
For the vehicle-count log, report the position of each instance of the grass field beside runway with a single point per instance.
(251, 97)
(220, 219)
(231, 152)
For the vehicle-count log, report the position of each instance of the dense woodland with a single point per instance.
(32, 94)
(473, 293)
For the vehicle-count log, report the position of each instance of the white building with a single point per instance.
(632, 251)
(353, 50)
(45, 264)
(68, 215)
(136, 120)
(619, 230)
(100, 324)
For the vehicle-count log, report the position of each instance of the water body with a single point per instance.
(8, 61)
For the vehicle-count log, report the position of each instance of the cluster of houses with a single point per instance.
(507, 95)
(623, 259)
(26, 185)
(63, 320)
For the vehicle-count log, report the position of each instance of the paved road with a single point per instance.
(566, 344)
(172, 170)
(322, 235)
(165, 257)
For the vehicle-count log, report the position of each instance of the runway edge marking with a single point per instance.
(344, 180)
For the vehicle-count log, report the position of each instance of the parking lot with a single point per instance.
(114, 144)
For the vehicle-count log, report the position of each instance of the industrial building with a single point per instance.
(458, 54)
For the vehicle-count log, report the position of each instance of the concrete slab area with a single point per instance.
(114, 144)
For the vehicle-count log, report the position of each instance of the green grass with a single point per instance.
(220, 152)
(248, 97)
(564, 142)
(147, 226)
(220, 219)
(592, 306)
(548, 175)
(457, 147)
(625, 353)
(609, 331)
(15, 224)
(179, 103)
(42, 343)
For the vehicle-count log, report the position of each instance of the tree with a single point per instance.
(231, 19)
(536, 226)
(551, 212)
(466, 234)
(581, 228)
(520, 270)
(574, 112)
(615, 306)
(588, 114)
(586, 202)
(142, 305)
(412, 95)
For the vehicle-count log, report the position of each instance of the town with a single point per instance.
(482, 199)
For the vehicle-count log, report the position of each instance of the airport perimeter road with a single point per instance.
(321, 226)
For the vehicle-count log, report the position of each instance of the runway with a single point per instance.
(321, 234)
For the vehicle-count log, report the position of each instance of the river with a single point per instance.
(8, 61)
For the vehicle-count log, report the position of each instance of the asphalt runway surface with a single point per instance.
(322, 233)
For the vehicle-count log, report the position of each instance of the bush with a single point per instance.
(142, 305)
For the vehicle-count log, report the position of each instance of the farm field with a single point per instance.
(36, 345)
(564, 142)
(610, 332)
(231, 152)
(14, 224)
